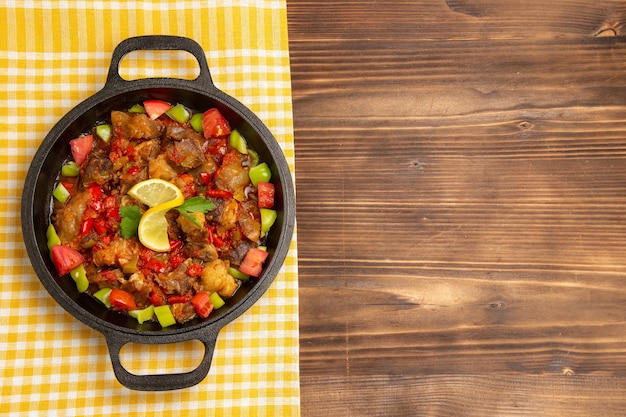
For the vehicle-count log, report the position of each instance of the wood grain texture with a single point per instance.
(470, 396)
(461, 191)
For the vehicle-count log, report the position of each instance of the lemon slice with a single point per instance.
(160, 196)
(152, 230)
(154, 192)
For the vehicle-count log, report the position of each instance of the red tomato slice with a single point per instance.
(202, 304)
(253, 262)
(214, 125)
(122, 300)
(155, 108)
(81, 147)
(266, 192)
(65, 258)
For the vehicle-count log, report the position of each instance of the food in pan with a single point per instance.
(161, 212)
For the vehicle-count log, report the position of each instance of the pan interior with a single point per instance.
(55, 150)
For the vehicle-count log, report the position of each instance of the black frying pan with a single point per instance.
(199, 94)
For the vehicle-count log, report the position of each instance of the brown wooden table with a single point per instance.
(461, 182)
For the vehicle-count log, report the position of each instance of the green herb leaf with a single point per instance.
(131, 215)
(195, 205)
(189, 216)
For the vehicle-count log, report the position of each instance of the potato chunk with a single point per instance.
(215, 278)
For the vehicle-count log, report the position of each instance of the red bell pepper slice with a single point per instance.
(69, 186)
(122, 300)
(112, 211)
(179, 299)
(86, 226)
(176, 260)
(96, 192)
(219, 193)
(175, 245)
(134, 170)
(155, 265)
(156, 298)
(195, 270)
(205, 177)
(109, 275)
(100, 226)
(214, 239)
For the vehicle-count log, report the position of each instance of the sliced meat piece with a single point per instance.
(228, 215)
(209, 166)
(183, 312)
(160, 168)
(131, 175)
(240, 248)
(109, 278)
(136, 125)
(147, 150)
(98, 169)
(204, 251)
(185, 153)
(68, 218)
(117, 253)
(139, 287)
(249, 220)
(233, 175)
(176, 282)
(178, 132)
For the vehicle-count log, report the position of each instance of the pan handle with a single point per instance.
(156, 43)
(160, 382)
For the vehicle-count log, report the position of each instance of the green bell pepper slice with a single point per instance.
(216, 300)
(254, 157)
(61, 193)
(102, 295)
(268, 217)
(142, 315)
(131, 266)
(196, 122)
(52, 236)
(79, 275)
(70, 169)
(179, 113)
(238, 274)
(164, 315)
(137, 108)
(260, 173)
(104, 132)
(238, 142)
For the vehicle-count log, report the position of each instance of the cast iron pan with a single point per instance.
(199, 94)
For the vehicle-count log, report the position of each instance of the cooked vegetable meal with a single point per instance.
(161, 212)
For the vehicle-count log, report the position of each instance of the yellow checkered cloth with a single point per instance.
(53, 55)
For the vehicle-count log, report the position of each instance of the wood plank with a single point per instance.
(468, 396)
(452, 20)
